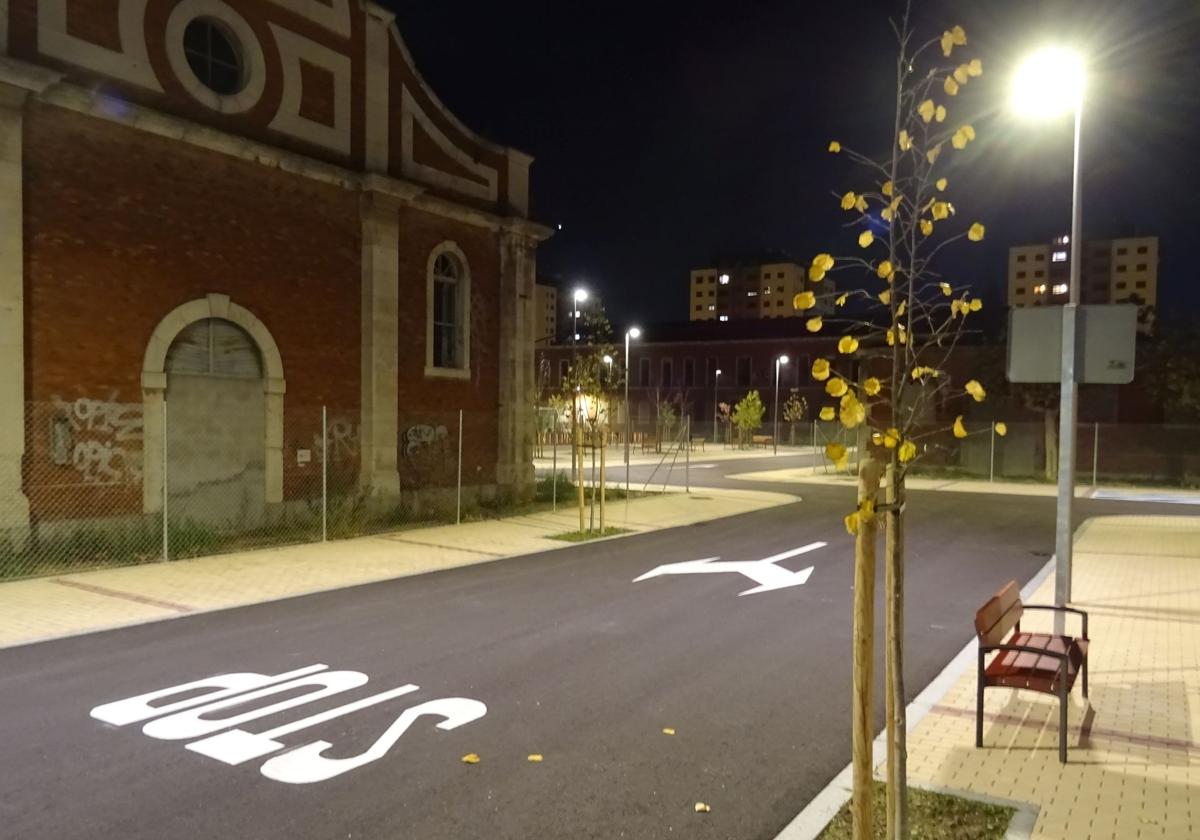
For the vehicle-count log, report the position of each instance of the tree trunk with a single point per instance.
(897, 735)
(1050, 430)
(863, 724)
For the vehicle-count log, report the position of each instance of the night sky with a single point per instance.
(667, 133)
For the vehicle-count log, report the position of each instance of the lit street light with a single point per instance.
(1048, 84)
(716, 384)
(577, 297)
(779, 363)
(632, 332)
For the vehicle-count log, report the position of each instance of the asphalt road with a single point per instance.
(572, 659)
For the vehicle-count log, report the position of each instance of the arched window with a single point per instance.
(449, 295)
(214, 347)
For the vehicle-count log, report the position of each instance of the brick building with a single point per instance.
(247, 210)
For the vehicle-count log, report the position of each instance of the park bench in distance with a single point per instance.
(1040, 662)
(761, 440)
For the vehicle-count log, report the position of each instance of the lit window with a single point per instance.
(724, 280)
(712, 308)
(1039, 289)
(766, 290)
(751, 294)
(724, 318)
(1058, 256)
(1059, 289)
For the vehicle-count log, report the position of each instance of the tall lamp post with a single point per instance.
(1048, 84)
(716, 409)
(779, 363)
(631, 333)
(577, 297)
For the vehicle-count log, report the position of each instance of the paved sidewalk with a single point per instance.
(819, 475)
(43, 608)
(1134, 763)
(615, 457)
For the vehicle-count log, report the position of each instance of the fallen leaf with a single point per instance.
(701, 808)
(535, 757)
(470, 758)
(668, 730)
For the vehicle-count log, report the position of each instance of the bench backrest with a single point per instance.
(999, 615)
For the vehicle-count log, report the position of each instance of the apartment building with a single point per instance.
(545, 312)
(747, 291)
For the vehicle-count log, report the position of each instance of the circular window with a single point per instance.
(215, 56)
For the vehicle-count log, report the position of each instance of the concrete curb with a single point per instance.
(811, 821)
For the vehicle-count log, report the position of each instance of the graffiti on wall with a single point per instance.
(103, 439)
(343, 442)
(422, 439)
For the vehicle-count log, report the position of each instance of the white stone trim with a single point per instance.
(463, 371)
(3, 27)
(518, 181)
(410, 114)
(252, 55)
(380, 352)
(377, 103)
(131, 64)
(333, 15)
(293, 49)
(154, 387)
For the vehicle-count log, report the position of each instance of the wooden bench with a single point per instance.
(761, 440)
(649, 443)
(1040, 662)
(697, 441)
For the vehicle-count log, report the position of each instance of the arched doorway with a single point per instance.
(212, 390)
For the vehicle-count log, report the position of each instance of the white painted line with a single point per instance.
(765, 573)
(795, 552)
(811, 821)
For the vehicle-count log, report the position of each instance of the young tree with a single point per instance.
(747, 416)
(891, 373)
(795, 410)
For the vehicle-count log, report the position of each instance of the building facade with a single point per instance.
(220, 217)
(737, 292)
(545, 308)
(1114, 271)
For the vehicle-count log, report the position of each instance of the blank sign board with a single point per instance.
(1105, 342)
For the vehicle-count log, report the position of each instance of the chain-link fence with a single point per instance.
(108, 483)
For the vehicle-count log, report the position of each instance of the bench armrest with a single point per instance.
(1083, 615)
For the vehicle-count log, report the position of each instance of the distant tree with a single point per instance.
(747, 416)
(725, 418)
(795, 411)
(1172, 370)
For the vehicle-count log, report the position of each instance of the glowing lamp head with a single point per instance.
(783, 360)
(635, 332)
(607, 359)
(581, 295)
(718, 371)
(1048, 83)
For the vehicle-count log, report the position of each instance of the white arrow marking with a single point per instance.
(764, 572)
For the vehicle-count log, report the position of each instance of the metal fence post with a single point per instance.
(324, 474)
(687, 462)
(814, 447)
(1095, 451)
(554, 468)
(458, 505)
(166, 546)
(992, 455)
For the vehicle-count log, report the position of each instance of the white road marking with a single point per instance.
(764, 572)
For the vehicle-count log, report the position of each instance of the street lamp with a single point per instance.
(631, 333)
(577, 297)
(716, 422)
(1051, 83)
(780, 362)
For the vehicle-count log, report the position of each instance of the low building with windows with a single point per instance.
(224, 219)
(1123, 270)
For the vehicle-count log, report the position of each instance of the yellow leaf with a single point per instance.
(960, 431)
(905, 140)
(885, 270)
(957, 306)
(877, 438)
(536, 758)
(885, 297)
(908, 451)
(835, 451)
(901, 308)
(852, 412)
(947, 44)
(940, 114)
(903, 335)
(891, 338)
(668, 731)
(926, 227)
(933, 154)
(887, 214)
(887, 189)
(847, 344)
(960, 74)
(975, 390)
(865, 239)
(814, 324)
(927, 109)
(825, 261)
(815, 274)
(959, 140)
(841, 299)
(872, 386)
(968, 131)
(951, 86)
(860, 204)
(848, 201)
(940, 210)
(921, 371)
(828, 413)
(804, 300)
(975, 68)
(946, 290)
(852, 524)
(835, 146)
(701, 808)
(976, 304)
(975, 234)
(941, 183)
(470, 758)
(836, 387)
(959, 36)
(891, 437)
(1001, 429)
(820, 370)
